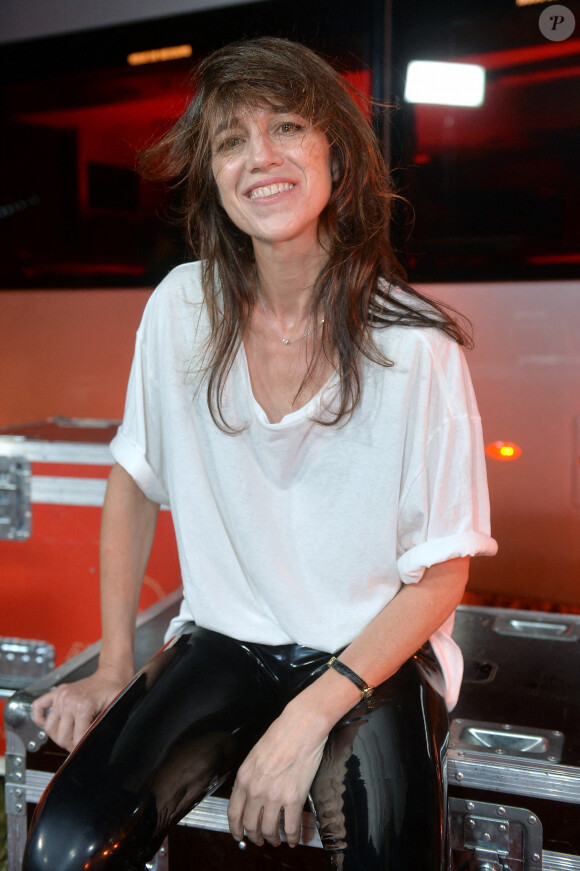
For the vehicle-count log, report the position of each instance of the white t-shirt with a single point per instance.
(293, 532)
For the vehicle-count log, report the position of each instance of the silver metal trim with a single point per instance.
(482, 613)
(76, 453)
(547, 627)
(53, 490)
(211, 813)
(540, 779)
(559, 861)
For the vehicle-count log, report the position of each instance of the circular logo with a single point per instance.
(557, 22)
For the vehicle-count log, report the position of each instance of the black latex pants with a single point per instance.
(192, 715)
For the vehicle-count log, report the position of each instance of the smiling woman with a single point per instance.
(327, 493)
(272, 172)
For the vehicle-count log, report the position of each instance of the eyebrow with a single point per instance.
(226, 125)
(234, 120)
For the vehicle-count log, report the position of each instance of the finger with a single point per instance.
(252, 822)
(60, 728)
(235, 812)
(41, 708)
(292, 824)
(270, 825)
(39, 713)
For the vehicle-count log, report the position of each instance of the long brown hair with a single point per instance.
(283, 74)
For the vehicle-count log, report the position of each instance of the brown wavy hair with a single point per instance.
(278, 73)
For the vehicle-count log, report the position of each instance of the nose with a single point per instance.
(263, 151)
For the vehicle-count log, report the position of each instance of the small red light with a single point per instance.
(503, 451)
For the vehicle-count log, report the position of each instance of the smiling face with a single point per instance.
(272, 170)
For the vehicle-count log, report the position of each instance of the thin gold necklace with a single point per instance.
(284, 340)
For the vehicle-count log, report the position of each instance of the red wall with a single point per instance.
(66, 352)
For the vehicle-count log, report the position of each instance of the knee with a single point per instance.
(81, 837)
(57, 844)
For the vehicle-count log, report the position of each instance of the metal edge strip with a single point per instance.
(76, 453)
(559, 861)
(510, 774)
(517, 614)
(54, 490)
(211, 813)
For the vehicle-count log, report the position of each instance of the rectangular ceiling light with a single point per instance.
(157, 55)
(445, 84)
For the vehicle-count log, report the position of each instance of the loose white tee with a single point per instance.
(293, 532)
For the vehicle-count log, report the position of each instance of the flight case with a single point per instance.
(512, 765)
(515, 733)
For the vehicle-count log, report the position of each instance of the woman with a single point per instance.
(310, 420)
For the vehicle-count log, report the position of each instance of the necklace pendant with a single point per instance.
(286, 341)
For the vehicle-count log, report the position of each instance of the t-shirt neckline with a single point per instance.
(309, 410)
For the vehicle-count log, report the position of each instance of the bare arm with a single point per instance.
(127, 531)
(279, 770)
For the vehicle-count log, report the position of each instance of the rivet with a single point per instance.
(551, 758)
(459, 775)
(18, 775)
(532, 820)
(487, 836)
(501, 811)
(18, 761)
(31, 746)
(18, 793)
(503, 827)
(162, 851)
(470, 824)
(42, 735)
(19, 807)
(506, 726)
(242, 845)
(470, 806)
(536, 857)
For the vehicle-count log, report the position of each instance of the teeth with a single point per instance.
(270, 190)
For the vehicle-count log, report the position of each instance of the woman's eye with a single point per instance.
(289, 127)
(229, 143)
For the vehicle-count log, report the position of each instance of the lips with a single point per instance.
(270, 190)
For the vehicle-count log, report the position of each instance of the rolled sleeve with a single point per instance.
(139, 442)
(135, 463)
(413, 563)
(444, 509)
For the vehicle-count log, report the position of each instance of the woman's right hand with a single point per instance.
(66, 712)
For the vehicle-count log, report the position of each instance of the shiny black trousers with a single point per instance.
(190, 717)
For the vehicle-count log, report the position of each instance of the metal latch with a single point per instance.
(488, 837)
(15, 512)
(505, 739)
(548, 628)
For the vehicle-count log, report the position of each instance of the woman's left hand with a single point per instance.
(275, 777)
